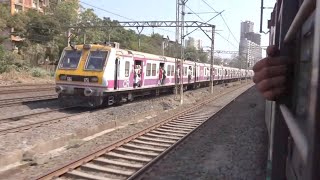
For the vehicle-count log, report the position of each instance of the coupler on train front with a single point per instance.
(83, 97)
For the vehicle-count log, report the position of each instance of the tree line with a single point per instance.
(45, 35)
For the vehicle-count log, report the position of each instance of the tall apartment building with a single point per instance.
(250, 42)
(246, 27)
(194, 43)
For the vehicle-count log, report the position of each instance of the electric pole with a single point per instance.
(176, 45)
(182, 3)
(212, 60)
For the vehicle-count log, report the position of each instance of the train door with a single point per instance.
(116, 73)
(195, 73)
(162, 73)
(126, 75)
(138, 77)
(198, 72)
(190, 74)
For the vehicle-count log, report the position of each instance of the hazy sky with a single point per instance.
(235, 12)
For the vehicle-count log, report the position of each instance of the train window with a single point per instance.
(70, 59)
(172, 70)
(148, 69)
(127, 69)
(96, 60)
(205, 71)
(168, 70)
(154, 69)
(185, 72)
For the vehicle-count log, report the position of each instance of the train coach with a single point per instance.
(99, 74)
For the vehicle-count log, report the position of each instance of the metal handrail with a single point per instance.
(296, 132)
(304, 12)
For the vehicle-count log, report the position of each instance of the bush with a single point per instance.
(38, 72)
(6, 67)
(52, 73)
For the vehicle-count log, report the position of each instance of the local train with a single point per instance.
(105, 74)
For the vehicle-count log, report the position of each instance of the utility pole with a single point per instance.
(176, 45)
(183, 5)
(212, 60)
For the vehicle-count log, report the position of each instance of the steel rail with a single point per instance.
(81, 161)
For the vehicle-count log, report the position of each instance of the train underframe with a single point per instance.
(80, 97)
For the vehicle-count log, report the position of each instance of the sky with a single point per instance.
(235, 11)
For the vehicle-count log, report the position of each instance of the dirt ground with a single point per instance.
(14, 77)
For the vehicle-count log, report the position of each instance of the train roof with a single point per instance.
(138, 54)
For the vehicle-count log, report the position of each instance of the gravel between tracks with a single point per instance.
(232, 145)
(129, 114)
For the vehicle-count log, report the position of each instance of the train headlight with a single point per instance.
(94, 79)
(63, 77)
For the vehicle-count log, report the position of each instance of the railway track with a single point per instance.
(16, 94)
(20, 117)
(21, 100)
(16, 89)
(132, 156)
(23, 122)
(24, 85)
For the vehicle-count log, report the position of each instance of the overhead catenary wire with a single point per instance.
(226, 40)
(117, 14)
(195, 13)
(215, 32)
(224, 21)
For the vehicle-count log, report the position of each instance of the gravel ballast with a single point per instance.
(232, 145)
(129, 118)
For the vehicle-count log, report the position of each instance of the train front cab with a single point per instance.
(80, 74)
(293, 121)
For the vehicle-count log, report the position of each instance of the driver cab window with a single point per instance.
(96, 60)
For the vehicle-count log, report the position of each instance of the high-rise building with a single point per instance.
(254, 37)
(246, 27)
(198, 44)
(191, 42)
(250, 42)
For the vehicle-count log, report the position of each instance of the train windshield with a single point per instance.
(96, 60)
(70, 59)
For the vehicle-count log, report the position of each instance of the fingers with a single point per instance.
(274, 93)
(269, 72)
(272, 51)
(267, 62)
(271, 83)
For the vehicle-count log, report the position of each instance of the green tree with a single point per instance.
(89, 18)
(238, 62)
(5, 16)
(217, 60)
(42, 28)
(203, 56)
(1, 53)
(191, 53)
